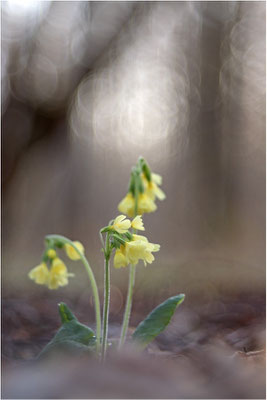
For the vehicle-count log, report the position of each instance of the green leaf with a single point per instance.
(157, 320)
(72, 337)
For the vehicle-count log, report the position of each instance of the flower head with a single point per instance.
(72, 253)
(126, 206)
(139, 248)
(40, 274)
(143, 187)
(52, 278)
(121, 225)
(58, 274)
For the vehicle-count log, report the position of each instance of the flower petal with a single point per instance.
(137, 223)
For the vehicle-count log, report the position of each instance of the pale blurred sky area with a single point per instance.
(87, 87)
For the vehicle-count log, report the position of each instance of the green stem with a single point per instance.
(129, 300)
(128, 306)
(106, 300)
(91, 276)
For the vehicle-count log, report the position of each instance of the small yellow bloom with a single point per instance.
(72, 253)
(154, 191)
(126, 206)
(51, 253)
(157, 178)
(121, 225)
(58, 274)
(120, 259)
(40, 274)
(145, 204)
(137, 223)
(140, 249)
(151, 188)
(134, 251)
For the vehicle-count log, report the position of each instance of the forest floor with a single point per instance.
(211, 350)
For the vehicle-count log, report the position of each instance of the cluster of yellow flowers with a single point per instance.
(58, 274)
(137, 247)
(146, 200)
(121, 225)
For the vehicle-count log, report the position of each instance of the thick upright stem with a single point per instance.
(91, 276)
(106, 301)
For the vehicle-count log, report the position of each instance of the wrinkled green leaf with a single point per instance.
(157, 320)
(72, 337)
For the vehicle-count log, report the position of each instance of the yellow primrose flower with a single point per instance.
(145, 204)
(126, 206)
(40, 274)
(140, 249)
(152, 189)
(121, 225)
(137, 223)
(72, 253)
(51, 253)
(134, 251)
(58, 274)
(150, 247)
(120, 259)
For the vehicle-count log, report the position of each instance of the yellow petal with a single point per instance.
(157, 178)
(145, 204)
(121, 225)
(58, 274)
(139, 237)
(137, 223)
(120, 259)
(40, 274)
(72, 253)
(126, 206)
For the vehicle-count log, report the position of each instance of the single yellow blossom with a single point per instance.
(120, 259)
(147, 256)
(140, 249)
(134, 251)
(40, 274)
(154, 191)
(145, 204)
(121, 225)
(71, 252)
(137, 223)
(58, 274)
(126, 206)
(51, 253)
(151, 188)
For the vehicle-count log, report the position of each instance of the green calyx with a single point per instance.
(145, 168)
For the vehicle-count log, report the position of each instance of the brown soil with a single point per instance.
(212, 350)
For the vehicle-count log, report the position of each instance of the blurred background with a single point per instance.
(87, 87)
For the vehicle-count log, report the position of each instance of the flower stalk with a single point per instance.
(129, 300)
(63, 240)
(106, 300)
